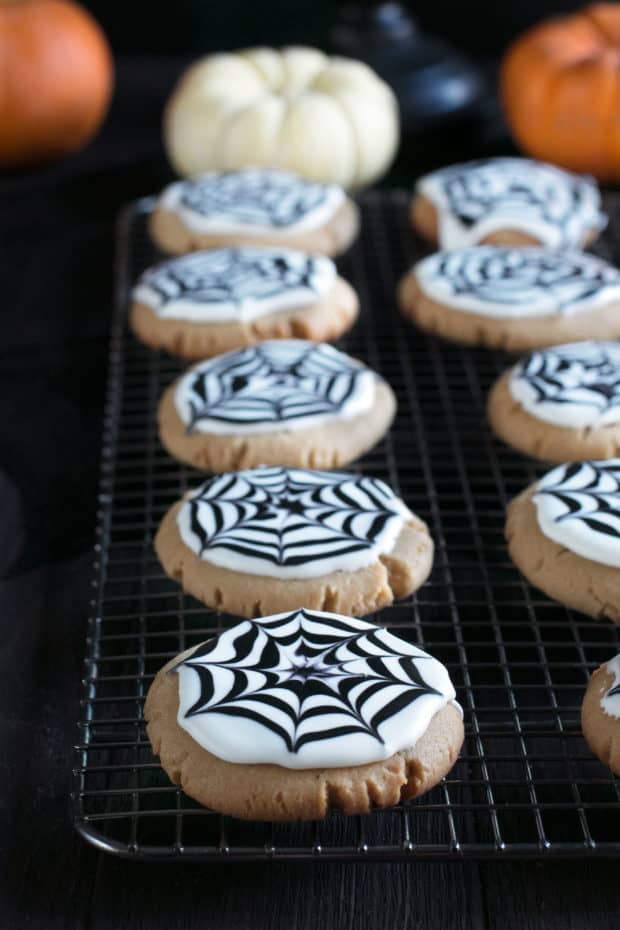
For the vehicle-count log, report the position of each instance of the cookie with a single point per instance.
(270, 539)
(600, 714)
(254, 206)
(507, 201)
(563, 533)
(291, 716)
(513, 298)
(561, 404)
(206, 303)
(282, 402)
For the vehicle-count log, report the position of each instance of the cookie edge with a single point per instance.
(274, 793)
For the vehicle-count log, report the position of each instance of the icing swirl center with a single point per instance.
(291, 522)
(309, 689)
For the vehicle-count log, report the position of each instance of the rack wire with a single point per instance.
(526, 783)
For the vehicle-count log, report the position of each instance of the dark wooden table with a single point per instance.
(56, 227)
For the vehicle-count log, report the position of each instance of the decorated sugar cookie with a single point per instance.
(291, 715)
(253, 206)
(282, 402)
(563, 533)
(210, 302)
(513, 298)
(507, 201)
(268, 539)
(600, 714)
(561, 403)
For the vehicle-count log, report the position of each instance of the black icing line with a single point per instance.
(323, 672)
(240, 521)
(307, 384)
(254, 198)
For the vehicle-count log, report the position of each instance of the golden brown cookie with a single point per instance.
(513, 298)
(507, 202)
(286, 744)
(600, 714)
(207, 303)
(283, 402)
(561, 404)
(570, 505)
(262, 207)
(269, 539)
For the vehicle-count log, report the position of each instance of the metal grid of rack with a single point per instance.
(526, 783)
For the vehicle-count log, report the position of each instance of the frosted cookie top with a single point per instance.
(291, 522)
(259, 201)
(278, 385)
(578, 506)
(610, 701)
(309, 689)
(478, 198)
(518, 282)
(234, 284)
(574, 386)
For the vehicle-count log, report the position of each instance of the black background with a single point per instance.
(481, 27)
(56, 242)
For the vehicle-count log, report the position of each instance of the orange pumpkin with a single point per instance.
(560, 85)
(55, 79)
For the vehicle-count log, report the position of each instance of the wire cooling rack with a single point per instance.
(526, 783)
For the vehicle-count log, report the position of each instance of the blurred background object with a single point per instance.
(441, 93)
(433, 82)
(295, 108)
(561, 91)
(57, 79)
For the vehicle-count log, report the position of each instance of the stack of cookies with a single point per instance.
(301, 707)
(511, 275)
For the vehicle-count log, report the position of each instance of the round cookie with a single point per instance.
(563, 533)
(513, 298)
(283, 402)
(507, 201)
(600, 714)
(291, 716)
(254, 206)
(561, 404)
(261, 541)
(207, 303)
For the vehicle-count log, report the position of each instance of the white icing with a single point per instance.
(478, 198)
(573, 386)
(259, 201)
(278, 385)
(291, 523)
(234, 284)
(610, 701)
(578, 506)
(309, 690)
(518, 282)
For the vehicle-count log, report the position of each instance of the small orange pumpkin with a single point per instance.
(55, 79)
(560, 86)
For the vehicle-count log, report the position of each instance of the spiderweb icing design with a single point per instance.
(574, 385)
(234, 283)
(518, 282)
(290, 522)
(610, 701)
(478, 198)
(306, 689)
(578, 506)
(280, 384)
(256, 199)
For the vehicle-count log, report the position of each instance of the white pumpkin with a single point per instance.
(328, 119)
